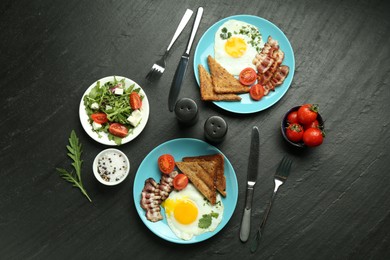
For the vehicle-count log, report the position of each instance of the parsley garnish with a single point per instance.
(74, 153)
(205, 221)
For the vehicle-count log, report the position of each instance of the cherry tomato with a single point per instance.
(256, 92)
(118, 130)
(313, 137)
(292, 117)
(294, 132)
(135, 100)
(313, 124)
(99, 118)
(307, 113)
(180, 181)
(166, 163)
(248, 76)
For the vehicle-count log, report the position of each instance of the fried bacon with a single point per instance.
(270, 73)
(153, 194)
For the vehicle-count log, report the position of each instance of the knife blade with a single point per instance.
(183, 64)
(253, 168)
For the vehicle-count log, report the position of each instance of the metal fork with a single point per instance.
(280, 177)
(159, 66)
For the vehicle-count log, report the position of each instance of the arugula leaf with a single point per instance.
(74, 152)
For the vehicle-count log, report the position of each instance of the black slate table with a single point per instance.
(335, 204)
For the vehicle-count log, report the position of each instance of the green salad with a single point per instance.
(114, 109)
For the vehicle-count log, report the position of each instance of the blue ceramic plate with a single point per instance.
(180, 148)
(247, 105)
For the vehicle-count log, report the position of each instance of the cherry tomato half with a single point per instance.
(180, 181)
(294, 132)
(99, 118)
(118, 130)
(307, 113)
(256, 92)
(248, 76)
(313, 137)
(135, 100)
(166, 163)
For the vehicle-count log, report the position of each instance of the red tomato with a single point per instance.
(118, 130)
(99, 118)
(248, 76)
(313, 124)
(307, 113)
(292, 117)
(256, 92)
(294, 132)
(180, 181)
(135, 100)
(313, 137)
(166, 163)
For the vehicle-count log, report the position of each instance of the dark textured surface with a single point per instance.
(335, 204)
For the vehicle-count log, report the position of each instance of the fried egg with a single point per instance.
(188, 213)
(236, 45)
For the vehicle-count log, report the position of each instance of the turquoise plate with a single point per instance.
(205, 47)
(180, 148)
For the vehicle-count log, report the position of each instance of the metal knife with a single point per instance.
(183, 64)
(253, 166)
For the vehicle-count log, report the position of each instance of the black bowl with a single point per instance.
(284, 125)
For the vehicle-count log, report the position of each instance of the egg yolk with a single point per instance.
(235, 47)
(184, 211)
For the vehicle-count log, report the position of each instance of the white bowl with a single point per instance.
(111, 167)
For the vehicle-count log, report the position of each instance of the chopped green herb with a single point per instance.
(205, 221)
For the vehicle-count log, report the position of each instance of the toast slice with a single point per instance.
(203, 176)
(218, 159)
(207, 92)
(223, 81)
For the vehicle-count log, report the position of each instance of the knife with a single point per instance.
(253, 166)
(183, 64)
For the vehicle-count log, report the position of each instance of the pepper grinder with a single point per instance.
(186, 111)
(215, 129)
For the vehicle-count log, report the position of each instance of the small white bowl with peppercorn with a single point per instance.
(303, 126)
(111, 167)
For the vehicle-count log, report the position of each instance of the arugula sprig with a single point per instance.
(74, 152)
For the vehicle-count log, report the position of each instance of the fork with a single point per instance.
(280, 177)
(158, 67)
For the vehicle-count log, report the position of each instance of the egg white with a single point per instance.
(186, 232)
(235, 65)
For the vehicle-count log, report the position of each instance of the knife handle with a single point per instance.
(246, 217)
(177, 81)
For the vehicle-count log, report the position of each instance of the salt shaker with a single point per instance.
(186, 111)
(215, 129)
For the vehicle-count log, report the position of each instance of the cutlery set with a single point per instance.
(158, 67)
(280, 177)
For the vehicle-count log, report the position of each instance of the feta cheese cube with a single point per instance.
(96, 126)
(95, 106)
(108, 107)
(118, 91)
(135, 118)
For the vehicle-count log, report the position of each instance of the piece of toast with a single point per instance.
(207, 92)
(223, 81)
(203, 176)
(220, 171)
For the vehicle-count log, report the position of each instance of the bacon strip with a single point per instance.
(153, 194)
(270, 73)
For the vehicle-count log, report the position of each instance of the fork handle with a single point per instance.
(259, 233)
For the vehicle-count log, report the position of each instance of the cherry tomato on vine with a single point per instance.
(307, 113)
(313, 137)
(294, 132)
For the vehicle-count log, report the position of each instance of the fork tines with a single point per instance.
(283, 169)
